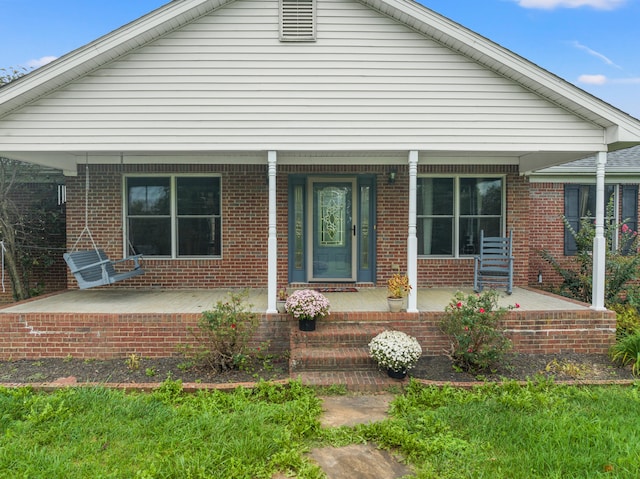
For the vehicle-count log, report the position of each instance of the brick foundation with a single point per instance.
(104, 336)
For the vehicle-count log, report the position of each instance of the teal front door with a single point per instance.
(332, 230)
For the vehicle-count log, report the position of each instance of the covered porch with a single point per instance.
(193, 301)
(117, 322)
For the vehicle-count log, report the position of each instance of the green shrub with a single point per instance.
(223, 335)
(472, 324)
(633, 296)
(627, 351)
(622, 264)
(627, 320)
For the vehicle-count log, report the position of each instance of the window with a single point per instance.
(453, 210)
(580, 204)
(174, 216)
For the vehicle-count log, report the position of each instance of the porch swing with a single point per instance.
(93, 267)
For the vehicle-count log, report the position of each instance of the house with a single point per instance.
(255, 143)
(32, 199)
(569, 191)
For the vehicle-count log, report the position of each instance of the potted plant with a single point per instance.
(398, 287)
(395, 351)
(307, 306)
(282, 299)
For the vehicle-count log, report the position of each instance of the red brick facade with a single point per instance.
(245, 224)
(546, 231)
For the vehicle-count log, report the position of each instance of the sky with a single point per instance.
(594, 44)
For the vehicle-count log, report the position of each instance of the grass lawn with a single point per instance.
(497, 431)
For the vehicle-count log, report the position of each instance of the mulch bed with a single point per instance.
(523, 367)
(569, 366)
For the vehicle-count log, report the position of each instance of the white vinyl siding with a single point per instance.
(227, 82)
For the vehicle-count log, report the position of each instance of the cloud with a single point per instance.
(551, 4)
(603, 80)
(596, 54)
(593, 79)
(38, 62)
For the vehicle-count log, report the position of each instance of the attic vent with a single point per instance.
(297, 20)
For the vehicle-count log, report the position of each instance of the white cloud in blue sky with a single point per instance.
(38, 62)
(604, 58)
(551, 4)
(593, 79)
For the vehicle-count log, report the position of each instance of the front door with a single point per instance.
(332, 230)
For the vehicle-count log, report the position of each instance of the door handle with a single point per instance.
(354, 230)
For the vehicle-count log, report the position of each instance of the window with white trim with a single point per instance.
(451, 212)
(174, 216)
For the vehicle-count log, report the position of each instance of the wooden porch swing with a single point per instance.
(93, 267)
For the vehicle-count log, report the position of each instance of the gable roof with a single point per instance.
(621, 129)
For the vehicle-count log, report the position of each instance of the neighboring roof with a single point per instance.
(624, 165)
(621, 129)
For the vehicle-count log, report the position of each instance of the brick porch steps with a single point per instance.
(355, 381)
(338, 334)
(330, 359)
(337, 353)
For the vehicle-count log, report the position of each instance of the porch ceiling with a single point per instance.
(527, 161)
(121, 301)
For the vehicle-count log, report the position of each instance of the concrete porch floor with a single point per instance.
(120, 300)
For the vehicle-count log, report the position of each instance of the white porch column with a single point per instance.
(272, 242)
(412, 240)
(599, 242)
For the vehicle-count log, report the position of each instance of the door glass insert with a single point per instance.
(364, 227)
(298, 226)
(331, 216)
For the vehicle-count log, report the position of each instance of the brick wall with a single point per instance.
(104, 336)
(546, 231)
(459, 272)
(245, 224)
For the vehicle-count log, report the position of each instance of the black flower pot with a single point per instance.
(307, 324)
(396, 374)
